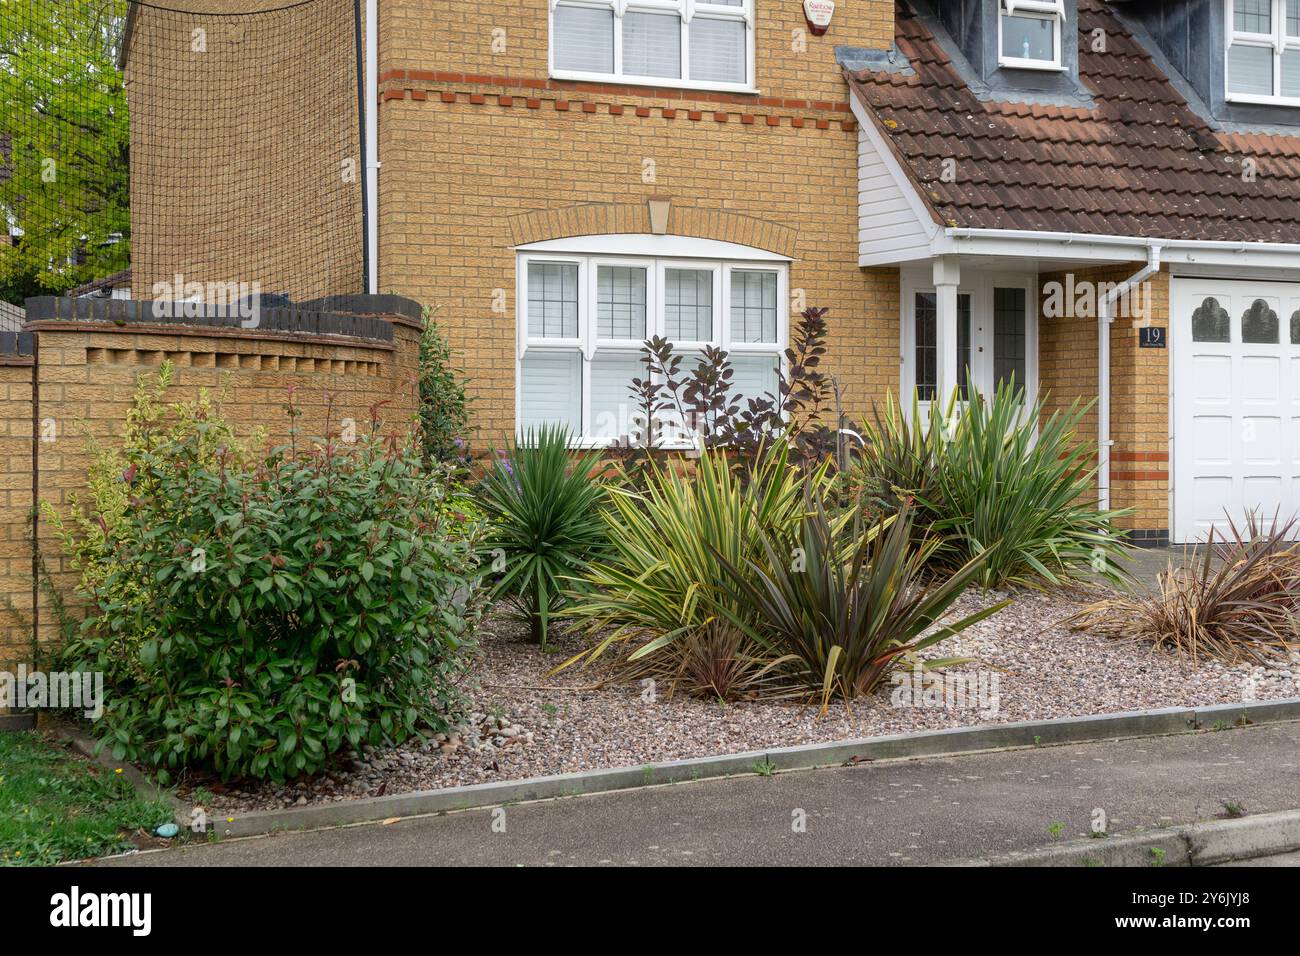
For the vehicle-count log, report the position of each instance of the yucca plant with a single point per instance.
(901, 458)
(997, 469)
(658, 590)
(543, 504)
(840, 625)
(1236, 599)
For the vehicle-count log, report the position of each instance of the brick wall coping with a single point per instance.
(357, 317)
(15, 345)
(214, 332)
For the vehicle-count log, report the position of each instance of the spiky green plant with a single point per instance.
(1235, 599)
(836, 627)
(543, 504)
(659, 588)
(996, 469)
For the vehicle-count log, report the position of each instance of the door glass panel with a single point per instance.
(927, 371)
(1210, 321)
(1295, 327)
(1259, 324)
(1009, 337)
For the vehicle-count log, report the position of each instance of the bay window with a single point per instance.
(1263, 53)
(584, 318)
(688, 43)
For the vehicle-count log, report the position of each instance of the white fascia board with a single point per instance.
(652, 246)
(924, 214)
(1067, 245)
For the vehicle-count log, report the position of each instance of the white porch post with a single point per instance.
(947, 274)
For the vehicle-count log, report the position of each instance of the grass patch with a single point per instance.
(55, 805)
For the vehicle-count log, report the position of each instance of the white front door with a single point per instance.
(1236, 402)
(997, 335)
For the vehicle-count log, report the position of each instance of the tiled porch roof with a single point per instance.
(1139, 163)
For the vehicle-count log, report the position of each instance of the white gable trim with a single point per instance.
(894, 223)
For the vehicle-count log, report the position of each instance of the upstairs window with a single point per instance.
(1029, 34)
(683, 43)
(1263, 57)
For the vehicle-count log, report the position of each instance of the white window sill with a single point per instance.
(1260, 100)
(658, 82)
(1036, 65)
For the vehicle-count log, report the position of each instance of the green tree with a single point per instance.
(63, 142)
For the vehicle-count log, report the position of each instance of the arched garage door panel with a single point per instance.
(1236, 399)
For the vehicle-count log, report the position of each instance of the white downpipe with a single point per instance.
(1105, 317)
(372, 142)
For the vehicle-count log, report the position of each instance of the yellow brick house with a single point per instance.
(1097, 198)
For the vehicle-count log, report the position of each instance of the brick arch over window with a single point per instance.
(594, 219)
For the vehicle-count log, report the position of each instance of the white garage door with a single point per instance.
(1236, 394)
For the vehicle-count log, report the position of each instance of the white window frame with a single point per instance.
(1278, 41)
(1053, 10)
(687, 10)
(588, 343)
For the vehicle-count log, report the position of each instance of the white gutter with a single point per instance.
(372, 142)
(1064, 245)
(1105, 316)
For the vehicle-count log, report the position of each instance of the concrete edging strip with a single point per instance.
(929, 743)
(1192, 844)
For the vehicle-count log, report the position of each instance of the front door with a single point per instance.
(997, 337)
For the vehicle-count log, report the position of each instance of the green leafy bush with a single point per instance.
(999, 472)
(444, 408)
(256, 614)
(542, 505)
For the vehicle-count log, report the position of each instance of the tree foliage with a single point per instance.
(64, 142)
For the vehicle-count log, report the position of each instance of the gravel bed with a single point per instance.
(528, 724)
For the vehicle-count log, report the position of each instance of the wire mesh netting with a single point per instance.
(211, 147)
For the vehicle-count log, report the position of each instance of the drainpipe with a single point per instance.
(1105, 316)
(372, 143)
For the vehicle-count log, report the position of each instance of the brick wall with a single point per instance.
(1139, 378)
(246, 115)
(85, 373)
(482, 152)
(15, 505)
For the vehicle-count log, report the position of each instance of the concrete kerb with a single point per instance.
(86, 747)
(1192, 844)
(1026, 734)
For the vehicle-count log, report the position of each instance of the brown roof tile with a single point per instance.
(1139, 162)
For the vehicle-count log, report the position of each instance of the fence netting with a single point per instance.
(211, 147)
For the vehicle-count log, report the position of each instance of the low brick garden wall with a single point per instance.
(68, 378)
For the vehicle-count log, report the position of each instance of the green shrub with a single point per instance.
(99, 519)
(1000, 472)
(444, 409)
(542, 504)
(660, 588)
(837, 626)
(256, 614)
